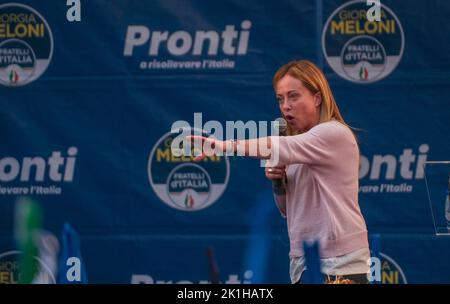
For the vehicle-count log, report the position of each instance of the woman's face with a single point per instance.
(299, 106)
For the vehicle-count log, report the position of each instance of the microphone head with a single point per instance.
(280, 124)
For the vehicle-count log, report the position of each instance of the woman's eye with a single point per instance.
(280, 100)
(293, 95)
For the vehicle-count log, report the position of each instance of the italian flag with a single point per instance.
(13, 76)
(189, 201)
(363, 73)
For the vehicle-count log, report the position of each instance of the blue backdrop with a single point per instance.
(86, 109)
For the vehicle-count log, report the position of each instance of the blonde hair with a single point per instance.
(314, 80)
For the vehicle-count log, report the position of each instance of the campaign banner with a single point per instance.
(87, 107)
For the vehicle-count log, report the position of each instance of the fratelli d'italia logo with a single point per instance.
(391, 272)
(26, 44)
(10, 272)
(183, 184)
(360, 50)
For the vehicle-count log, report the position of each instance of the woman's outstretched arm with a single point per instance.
(258, 147)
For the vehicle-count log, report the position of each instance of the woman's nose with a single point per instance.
(285, 106)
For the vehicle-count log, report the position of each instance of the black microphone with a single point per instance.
(280, 125)
(279, 185)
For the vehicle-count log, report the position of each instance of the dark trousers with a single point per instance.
(360, 278)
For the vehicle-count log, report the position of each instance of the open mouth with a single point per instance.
(289, 118)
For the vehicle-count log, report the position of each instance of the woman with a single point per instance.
(318, 165)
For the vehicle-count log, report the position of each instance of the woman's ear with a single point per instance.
(317, 99)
